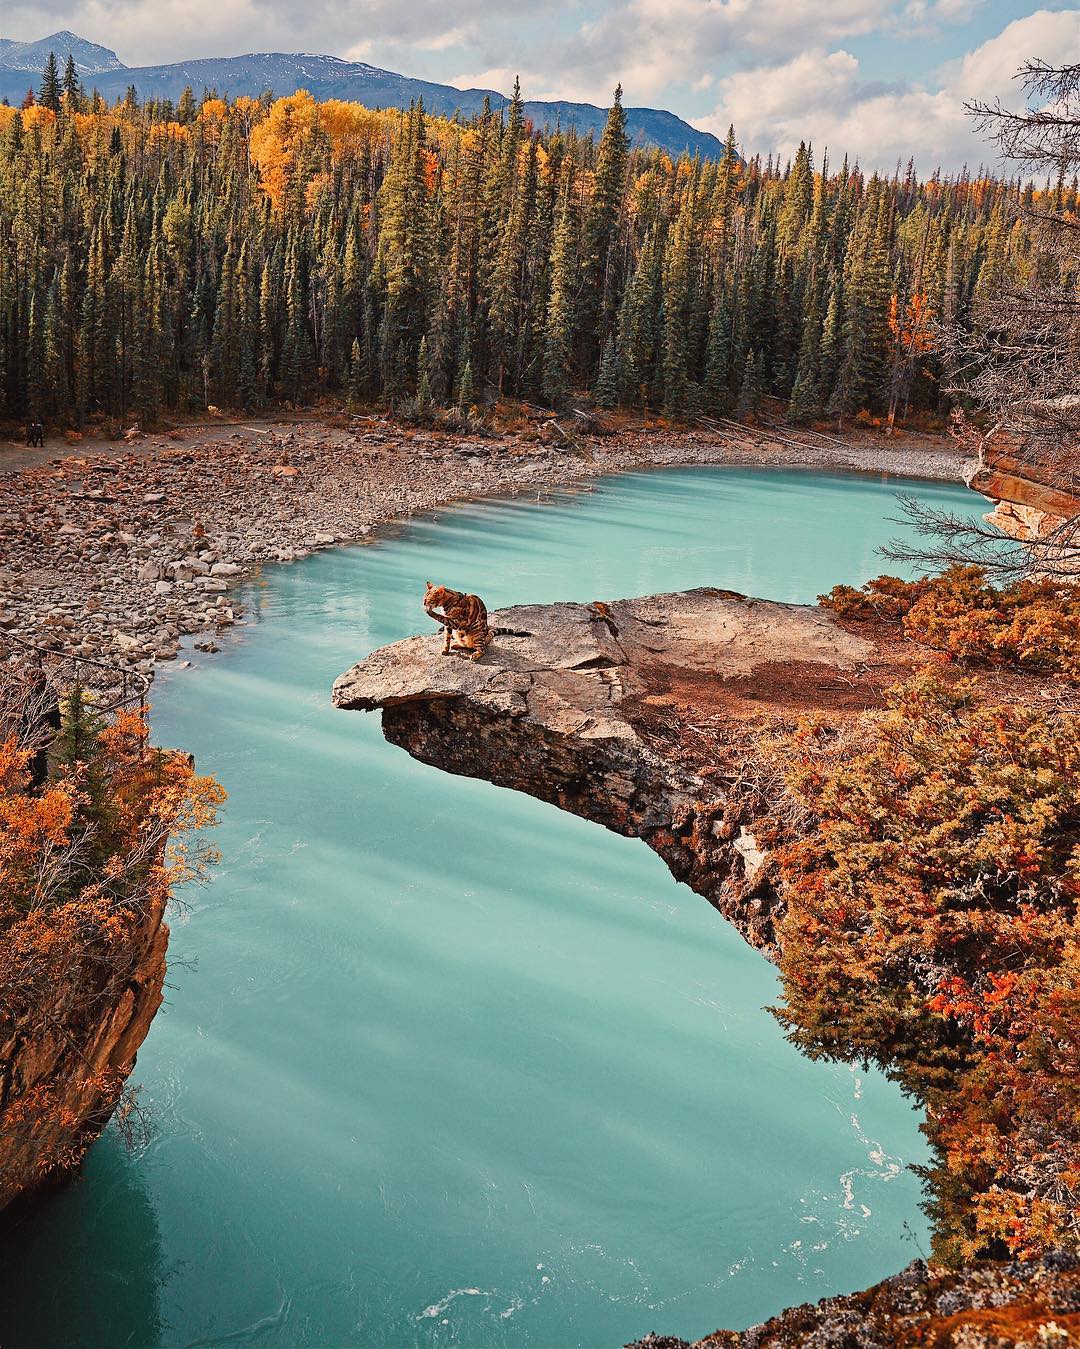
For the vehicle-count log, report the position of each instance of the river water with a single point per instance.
(439, 1064)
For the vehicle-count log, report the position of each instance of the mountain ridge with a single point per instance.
(325, 77)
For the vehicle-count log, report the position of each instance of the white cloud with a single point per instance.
(818, 96)
(652, 44)
(988, 70)
(150, 32)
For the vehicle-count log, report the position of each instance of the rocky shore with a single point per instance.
(127, 554)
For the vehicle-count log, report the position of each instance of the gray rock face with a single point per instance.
(551, 710)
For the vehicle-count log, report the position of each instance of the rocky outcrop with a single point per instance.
(1031, 499)
(562, 707)
(125, 553)
(60, 1084)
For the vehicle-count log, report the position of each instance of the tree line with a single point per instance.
(157, 258)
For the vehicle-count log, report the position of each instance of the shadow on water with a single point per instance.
(86, 1270)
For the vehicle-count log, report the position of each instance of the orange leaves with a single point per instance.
(351, 127)
(276, 142)
(213, 112)
(320, 183)
(1034, 625)
(38, 116)
(910, 324)
(168, 133)
(248, 110)
(432, 170)
(932, 926)
(32, 830)
(78, 866)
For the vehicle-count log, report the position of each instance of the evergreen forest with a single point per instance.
(156, 259)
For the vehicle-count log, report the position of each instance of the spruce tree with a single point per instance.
(606, 389)
(558, 334)
(599, 278)
(750, 386)
(465, 395)
(152, 258)
(72, 87)
(423, 382)
(51, 89)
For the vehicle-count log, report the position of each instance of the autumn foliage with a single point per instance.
(911, 325)
(85, 858)
(1032, 625)
(931, 928)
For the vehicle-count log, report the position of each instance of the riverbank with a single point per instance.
(128, 553)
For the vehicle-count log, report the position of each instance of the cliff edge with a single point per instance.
(645, 715)
(61, 1082)
(569, 704)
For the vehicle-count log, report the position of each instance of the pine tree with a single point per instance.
(606, 389)
(750, 386)
(600, 282)
(51, 89)
(356, 377)
(154, 258)
(423, 382)
(465, 395)
(718, 356)
(558, 335)
(676, 306)
(639, 325)
(72, 87)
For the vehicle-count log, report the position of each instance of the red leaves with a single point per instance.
(932, 926)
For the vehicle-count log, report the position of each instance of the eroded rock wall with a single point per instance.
(59, 1085)
(1030, 499)
(616, 783)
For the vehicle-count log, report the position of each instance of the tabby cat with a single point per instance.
(464, 618)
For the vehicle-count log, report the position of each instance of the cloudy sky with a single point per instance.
(880, 79)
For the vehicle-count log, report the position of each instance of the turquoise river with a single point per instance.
(440, 1065)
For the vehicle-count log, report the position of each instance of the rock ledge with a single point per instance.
(559, 708)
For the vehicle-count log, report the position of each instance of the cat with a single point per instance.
(464, 618)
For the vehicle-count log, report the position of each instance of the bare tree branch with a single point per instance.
(1017, 367)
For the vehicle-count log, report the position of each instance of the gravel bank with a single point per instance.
(123, 556)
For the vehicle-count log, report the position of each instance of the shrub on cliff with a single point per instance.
(932, 928)
(84, 858)
(1032, 625)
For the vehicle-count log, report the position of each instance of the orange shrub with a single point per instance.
(1032, 625)
(932, 927)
